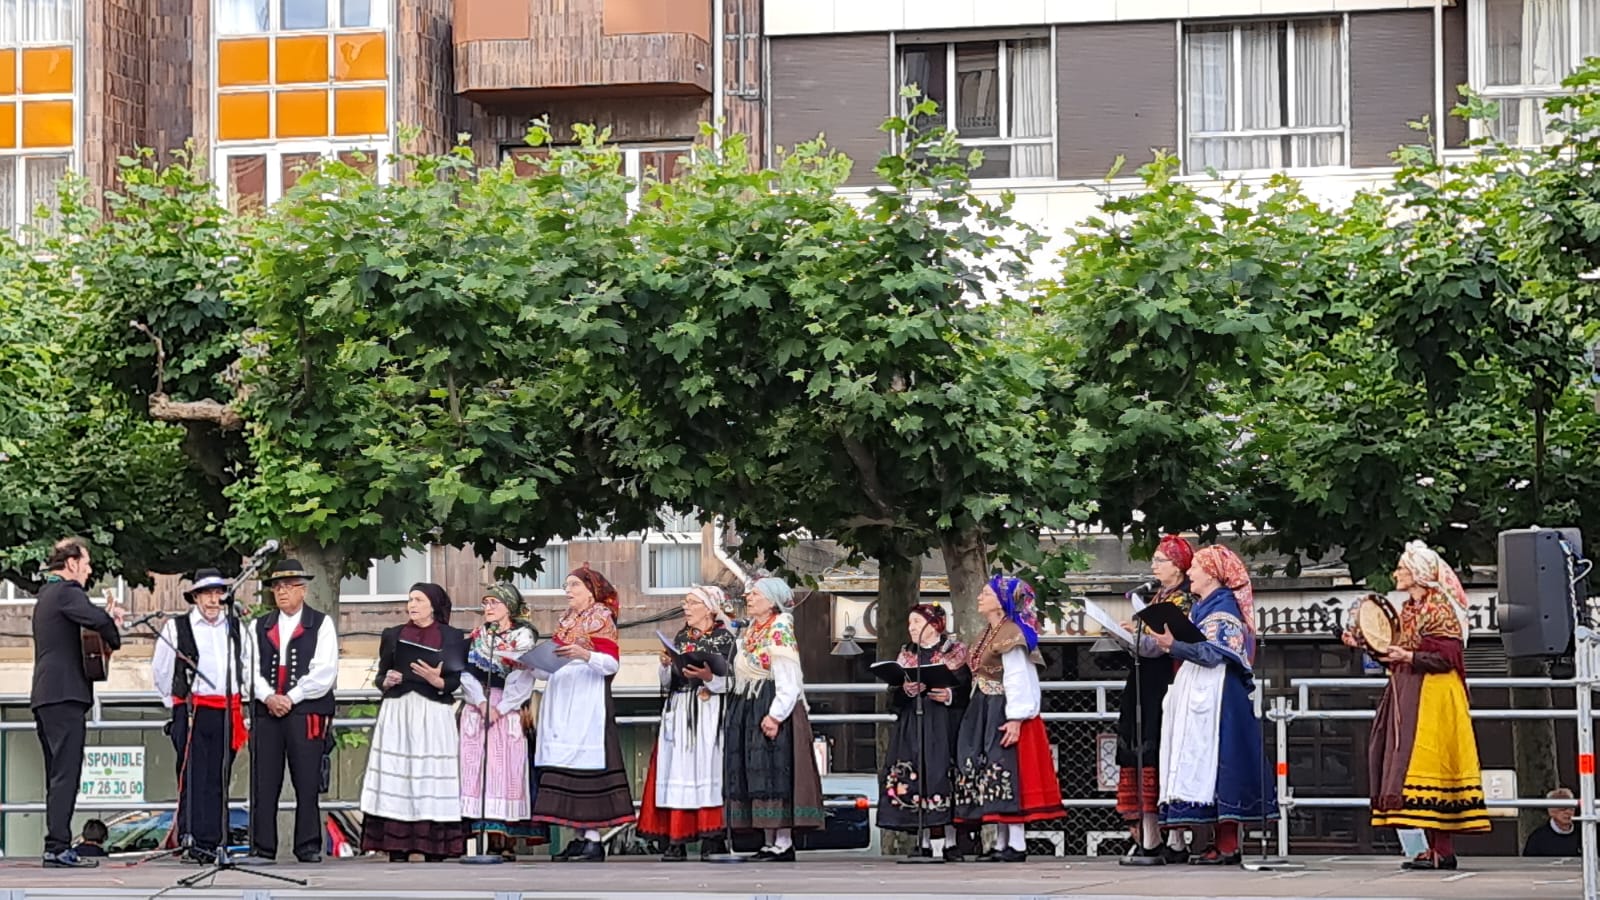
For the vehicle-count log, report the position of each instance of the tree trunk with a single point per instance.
(966, 563)
(326, 566)
(1533, 743)
(899, 589)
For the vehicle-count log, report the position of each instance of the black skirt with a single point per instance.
(769, 782)
(904, 783)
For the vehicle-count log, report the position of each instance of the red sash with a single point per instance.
(231, 704)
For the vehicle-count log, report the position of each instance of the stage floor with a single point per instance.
(820, 876)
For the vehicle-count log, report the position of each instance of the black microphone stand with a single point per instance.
(1138, 857)
(483, 857)
(222, 862)
(185, 837)
(1265, 863)
(922, 766)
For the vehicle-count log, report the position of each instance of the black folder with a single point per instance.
(716, 662)
(1158, 617)
(932, 677)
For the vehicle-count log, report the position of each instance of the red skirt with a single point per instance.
(675, 826)
(1128, 792)
(1040, 796)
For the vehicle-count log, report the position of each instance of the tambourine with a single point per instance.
(1376, 623)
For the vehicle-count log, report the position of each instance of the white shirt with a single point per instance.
(1021, 683)
(324, 671)
(211, 646)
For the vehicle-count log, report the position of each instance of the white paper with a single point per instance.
(1138, 602)
(1107, 622)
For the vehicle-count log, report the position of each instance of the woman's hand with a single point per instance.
(1349, 639)
(940, 695)
(703, 673)
(912, 688)
(1398, 654)
(769, 727)
(433, 675)
(666, 658)
(390, 679)
(1164, 640)
(1010, 733)
(494, 715)
(572, 651)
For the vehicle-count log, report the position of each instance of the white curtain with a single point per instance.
(1208, 79)
(674, 565)
(1261, 72)
(1588, 28)
(1527, 44)
(1319, 92)
(299, 15)
(242, 16)
(43, 176)
(8, 194)
(1029, 65)
(10, 20)
(364, 13)
(47, 20)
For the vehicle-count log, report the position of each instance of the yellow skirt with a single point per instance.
(1443, 782)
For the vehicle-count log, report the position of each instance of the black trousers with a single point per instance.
(61, 731)
(298, 739)
(205, 766)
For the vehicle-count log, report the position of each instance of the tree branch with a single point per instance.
(161, 355)
(870, 485)
(165, 409)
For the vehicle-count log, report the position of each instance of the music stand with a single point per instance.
(221, 862)
(1138, 858)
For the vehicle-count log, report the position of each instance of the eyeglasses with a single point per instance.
(1158, 558)
(286, 585)
(493, 601)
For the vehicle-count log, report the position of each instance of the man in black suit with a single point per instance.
(62, 692)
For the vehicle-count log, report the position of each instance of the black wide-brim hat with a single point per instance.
(205, 579)
(287, 568)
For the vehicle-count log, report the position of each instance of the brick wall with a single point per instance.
(425, 98)
(115, 73)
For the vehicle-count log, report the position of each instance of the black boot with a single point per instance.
(675, 853)
(713, 847)
(593, 851)
(573, 851)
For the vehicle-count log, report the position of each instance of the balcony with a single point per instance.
(511, 52)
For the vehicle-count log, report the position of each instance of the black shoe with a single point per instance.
(1174, 857)
(309, 859)
(1005, 854)
(712, 847)
(675, 853)
(593, 851)
(1426, 863)
(573, 851)
(923, 852)
(68, 859)
(953, 854)
(775, 855)
(1213, 857)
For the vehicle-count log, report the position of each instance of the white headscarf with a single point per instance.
(714, 599)
(1428, 569)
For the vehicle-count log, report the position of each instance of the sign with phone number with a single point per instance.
(112, 774)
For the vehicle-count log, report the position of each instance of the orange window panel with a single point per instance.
(47, 70)
(303, 60)
(8, 71)
(47, 123)
(302, 114)
(243, 61)
(360, 57)
(8, 126)
(244, 117)
(358, 111)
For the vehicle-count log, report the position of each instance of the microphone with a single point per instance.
(738, 624)
(1142, 589)
(271, 546)
(147, 617)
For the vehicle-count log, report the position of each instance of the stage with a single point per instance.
(821, 876)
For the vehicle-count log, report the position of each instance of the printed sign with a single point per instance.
(112, 775)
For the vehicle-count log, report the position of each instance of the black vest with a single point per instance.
(183, 674)
(294, 658)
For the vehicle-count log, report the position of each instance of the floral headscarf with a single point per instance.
(714, 599)
(508, 594)
(602, 589)
(1017, 599)
(934, 613)
(1229, 570)
(1178, 550)
(1428, 569)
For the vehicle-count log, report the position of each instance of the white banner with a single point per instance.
(112, 775)
(1289, 613)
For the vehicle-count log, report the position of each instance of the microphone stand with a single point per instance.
(483, 857)
(222, 862)
(922, 767)
(1265, 863)
(185, 838)
(1138, 858)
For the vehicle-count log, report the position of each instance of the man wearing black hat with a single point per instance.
(296, 665)
(202, 708)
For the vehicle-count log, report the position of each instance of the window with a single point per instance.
(297, 80)
(1264, 95)
(643, 165)
(11, 592)
(552, 577)
(387, 579)
(1520, 51)
(997, 96)
(38, 110)
(672, 555)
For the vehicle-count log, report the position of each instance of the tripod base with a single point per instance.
(726, 858)
(484, 859)
(218, 868)
(1269, 864)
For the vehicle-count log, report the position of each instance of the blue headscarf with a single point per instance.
(778, 591)
(1017, 600)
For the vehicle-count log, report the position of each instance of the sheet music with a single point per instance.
(1137, 601)
(1108, 623)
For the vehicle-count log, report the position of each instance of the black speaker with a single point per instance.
(1538, 596)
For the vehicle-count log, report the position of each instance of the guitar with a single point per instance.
(96, 655)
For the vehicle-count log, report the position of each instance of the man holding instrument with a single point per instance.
(62, 692)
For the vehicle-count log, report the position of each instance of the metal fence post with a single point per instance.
(1281, 713)
(1586, 674)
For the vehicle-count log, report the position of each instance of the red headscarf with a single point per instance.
(934, 613)
(1178, 550)
(1229, 570)
(603, 591)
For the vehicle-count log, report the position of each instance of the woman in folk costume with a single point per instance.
(920, 763)
(581, 782)
(682, 799)
(495, 793)
(1422, 754)
(1139, 721)
(1213, 767)
(411, 793)
(769, 775)
(1004, 774)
